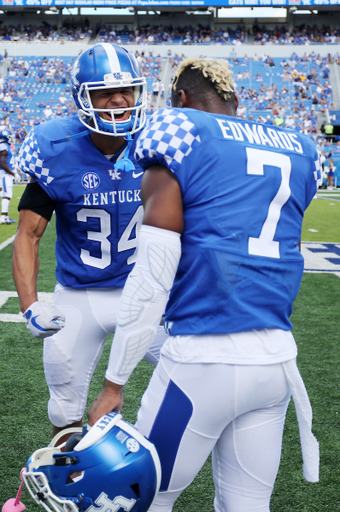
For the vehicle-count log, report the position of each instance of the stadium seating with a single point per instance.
(261, 84)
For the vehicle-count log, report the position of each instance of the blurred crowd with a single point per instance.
(286, 92)
(70, 31)
(75, 30)
(18, 106)
(301, 35)
(290, 92)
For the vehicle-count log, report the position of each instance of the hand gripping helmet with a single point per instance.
(7, 136)
(108, 66)
(110, 467)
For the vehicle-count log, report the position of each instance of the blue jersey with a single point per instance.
(98, 208)
(4, 146)
(245, 187)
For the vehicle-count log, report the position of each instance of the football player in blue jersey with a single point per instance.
(82, 167)
(224, 201)
(7, 174)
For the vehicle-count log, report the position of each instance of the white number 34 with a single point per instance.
(125, 243)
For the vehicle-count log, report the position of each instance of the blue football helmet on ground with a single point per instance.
(7, 136)
(112, 466)
(107, 66)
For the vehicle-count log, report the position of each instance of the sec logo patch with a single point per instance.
(90, 181)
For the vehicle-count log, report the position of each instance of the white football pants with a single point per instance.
(71, 355)
(238, 412)
(7, 186)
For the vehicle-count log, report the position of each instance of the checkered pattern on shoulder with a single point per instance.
(3, 146)
(30, 161)
(317, 172)
(168, 137)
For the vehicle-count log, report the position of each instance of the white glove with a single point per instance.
(43, 321)
(17, 178)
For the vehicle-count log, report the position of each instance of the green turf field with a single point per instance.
(9, 230)
(25, 426)
(323, 217)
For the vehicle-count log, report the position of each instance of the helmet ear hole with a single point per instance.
(135, 488)
(74, 477)
(72, 442)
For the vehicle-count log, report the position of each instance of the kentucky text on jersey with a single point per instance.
(258, 134)
(112, 197)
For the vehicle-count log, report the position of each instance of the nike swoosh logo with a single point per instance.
(37, 325)
(136, 175)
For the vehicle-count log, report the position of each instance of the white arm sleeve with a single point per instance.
(143, 300)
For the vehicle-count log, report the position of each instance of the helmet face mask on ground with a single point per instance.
(108, 66)
(111, 466)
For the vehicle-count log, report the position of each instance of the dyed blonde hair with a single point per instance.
(217, 71)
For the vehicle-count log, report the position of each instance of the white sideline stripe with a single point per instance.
(7, 242)
(329, 198)
(16, 319)
(44, 298)
(318, 262)
(321, 272)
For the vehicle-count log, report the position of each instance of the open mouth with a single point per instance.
(118, 115)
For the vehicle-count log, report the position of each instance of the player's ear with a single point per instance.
(182, 99)
(236, 102)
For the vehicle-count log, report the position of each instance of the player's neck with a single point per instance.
(213, 106)
(107, 144)
(216, 109)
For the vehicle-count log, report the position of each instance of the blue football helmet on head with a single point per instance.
(7, 136)
(110, 467)
(108, 66)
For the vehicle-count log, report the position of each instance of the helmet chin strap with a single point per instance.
(125, 164)
(69, 138)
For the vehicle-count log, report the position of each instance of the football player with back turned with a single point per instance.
(224, 201)
(82, 167)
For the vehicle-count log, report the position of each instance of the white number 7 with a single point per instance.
(256, 160)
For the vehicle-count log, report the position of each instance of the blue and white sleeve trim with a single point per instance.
(317, 173)
(30, 161)
(168, 137)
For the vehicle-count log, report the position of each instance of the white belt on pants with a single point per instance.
(309, 444)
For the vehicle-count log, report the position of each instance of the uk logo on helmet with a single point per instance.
(116, 505)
